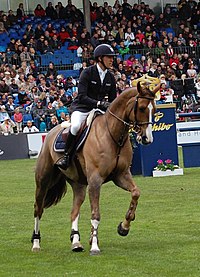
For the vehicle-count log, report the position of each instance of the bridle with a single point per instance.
(134, 126)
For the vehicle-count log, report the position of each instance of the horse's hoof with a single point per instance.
(77, 247)
(121, 231)
(94, 252)
(36, 249)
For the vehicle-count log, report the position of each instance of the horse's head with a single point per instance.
(144, 109)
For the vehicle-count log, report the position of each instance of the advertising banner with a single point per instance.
(164, 145)
(13, 147)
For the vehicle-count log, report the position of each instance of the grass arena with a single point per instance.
(163, 240)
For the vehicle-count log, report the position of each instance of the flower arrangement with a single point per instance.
(166, 165)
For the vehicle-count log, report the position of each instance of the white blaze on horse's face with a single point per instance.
(149, 135)
(146, 136)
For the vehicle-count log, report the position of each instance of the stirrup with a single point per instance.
(64, 162)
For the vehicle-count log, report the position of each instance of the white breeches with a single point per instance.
(76, 120)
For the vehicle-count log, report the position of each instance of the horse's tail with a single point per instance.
(56, 192)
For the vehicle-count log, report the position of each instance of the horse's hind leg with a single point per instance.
(79, 192)
(126, 182)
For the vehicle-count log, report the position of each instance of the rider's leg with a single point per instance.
(76, 120)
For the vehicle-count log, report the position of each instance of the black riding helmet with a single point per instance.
(103, 50)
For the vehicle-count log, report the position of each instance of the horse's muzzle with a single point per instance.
(146, 141)
(143, 140)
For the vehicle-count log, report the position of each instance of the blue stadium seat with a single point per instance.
(3, 48)
(138, 56)
(67, 73)
(46, 59)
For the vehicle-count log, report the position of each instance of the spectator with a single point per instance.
(50, 11)
(53, 122)
(61, 108)
(123, 49)
(4, 89)
(95, 40)
(73, 44)
(10, 106)
(47, 49)
(191, 71)
(62, 117)
(159, 49)
(39, 31)
(30, 128)
(29, 31)
(39, 11)
(14, 89)
(25, 55)
(174, 60)
(18, 118)
(7, 127)
(3, 113)
(51, 70)
(153, 70)
(39, 114)
(7, 78)
(64, 35)
(20, 12)
(130, 34)
(11, 45)
(11, 17)
(50, 110)
(55, 43)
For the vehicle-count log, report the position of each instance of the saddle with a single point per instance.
(59, 143)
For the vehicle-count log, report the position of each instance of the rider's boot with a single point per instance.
(69, 146)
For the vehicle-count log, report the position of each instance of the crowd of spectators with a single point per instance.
(172, 52)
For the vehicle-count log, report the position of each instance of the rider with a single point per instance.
(95, 84)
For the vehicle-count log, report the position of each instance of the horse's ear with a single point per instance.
(139, 87)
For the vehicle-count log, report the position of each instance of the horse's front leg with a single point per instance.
(126, 182)
(38, 211)
(79, 192)
(36, 236)
(94, 186)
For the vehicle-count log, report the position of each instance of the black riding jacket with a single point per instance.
(90, 89)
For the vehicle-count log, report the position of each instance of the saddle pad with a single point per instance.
(59, 144)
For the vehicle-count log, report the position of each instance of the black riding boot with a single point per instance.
(69, 146)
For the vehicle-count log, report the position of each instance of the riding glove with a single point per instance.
(103, 105)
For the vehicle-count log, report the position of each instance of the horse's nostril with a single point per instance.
(145, 140)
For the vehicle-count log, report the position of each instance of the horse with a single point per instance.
(109, 160)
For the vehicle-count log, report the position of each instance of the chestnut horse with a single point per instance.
(106, 155)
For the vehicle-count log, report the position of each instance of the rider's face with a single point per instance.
(108, 61)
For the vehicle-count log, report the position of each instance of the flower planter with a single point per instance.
(159, 173)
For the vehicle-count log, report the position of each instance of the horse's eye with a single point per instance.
(142, 109)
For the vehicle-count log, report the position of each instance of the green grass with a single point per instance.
(164, 241)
